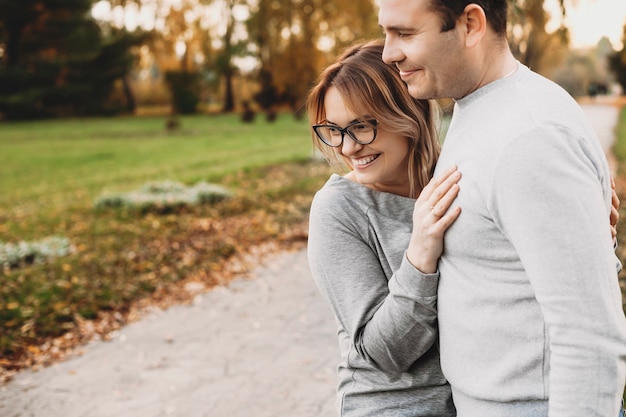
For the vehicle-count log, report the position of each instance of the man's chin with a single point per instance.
(418, 92)
(422, 92)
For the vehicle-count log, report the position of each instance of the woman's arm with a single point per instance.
(391, 323)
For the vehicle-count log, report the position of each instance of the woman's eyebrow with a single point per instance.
(349, 123)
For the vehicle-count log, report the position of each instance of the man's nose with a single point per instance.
(391, 54)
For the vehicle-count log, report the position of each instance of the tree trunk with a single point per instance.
(229, 95)
(131, 103)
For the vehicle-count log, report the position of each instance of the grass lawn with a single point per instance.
(51, 172)
(46, 167)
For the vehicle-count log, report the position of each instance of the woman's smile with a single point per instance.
(362, 162)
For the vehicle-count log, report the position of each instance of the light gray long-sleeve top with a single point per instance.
(530, 312)
(385, 308)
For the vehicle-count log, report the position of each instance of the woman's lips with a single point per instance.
(361, 162)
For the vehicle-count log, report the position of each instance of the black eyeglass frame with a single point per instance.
(344, 130)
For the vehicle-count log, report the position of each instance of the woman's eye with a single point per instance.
(362, 127)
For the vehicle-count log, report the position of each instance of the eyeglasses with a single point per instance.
(362, 132)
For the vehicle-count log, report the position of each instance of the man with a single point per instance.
(530, 314)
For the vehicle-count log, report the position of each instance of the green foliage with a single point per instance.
(164, 197)
(529, 40)
(619, 147)
(184, 87)
(57, 61)
(290, 59)
(617, 63)
(267, 97)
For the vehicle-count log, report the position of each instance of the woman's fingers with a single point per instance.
(433, 185)
(442, 212)
(444, 202)
(433, 215)
(614, 216)
(614, 208)
(441, 192)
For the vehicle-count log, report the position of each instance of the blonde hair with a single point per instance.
(373, 88)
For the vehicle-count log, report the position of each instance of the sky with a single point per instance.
(590, 20)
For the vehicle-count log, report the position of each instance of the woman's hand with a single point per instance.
(431, 218)
(614, 216)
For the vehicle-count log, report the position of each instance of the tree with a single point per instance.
(529, 40)
(185, 26)
(576, 73)
(225, 58)
(179, 44)
(56, 60)
(617, 63)
(294, 39)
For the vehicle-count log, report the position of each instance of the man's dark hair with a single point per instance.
(450, 10)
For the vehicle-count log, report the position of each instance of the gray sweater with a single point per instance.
(530, 313)
(385, 308)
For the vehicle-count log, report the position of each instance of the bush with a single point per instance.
(165, 196)
(24, 253)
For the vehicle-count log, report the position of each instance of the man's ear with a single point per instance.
(475, 24)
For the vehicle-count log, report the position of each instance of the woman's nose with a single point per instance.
(349, 146)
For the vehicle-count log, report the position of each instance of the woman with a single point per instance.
(376, 233)
(373, 244)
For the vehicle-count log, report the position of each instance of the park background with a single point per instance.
(152, 149)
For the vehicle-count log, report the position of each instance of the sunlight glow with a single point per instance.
(325, 43)
(101, 10)
(590, 20)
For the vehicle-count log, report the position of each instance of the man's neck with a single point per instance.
(498, 65)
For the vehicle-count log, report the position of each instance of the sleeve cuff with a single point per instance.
(414, 282)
